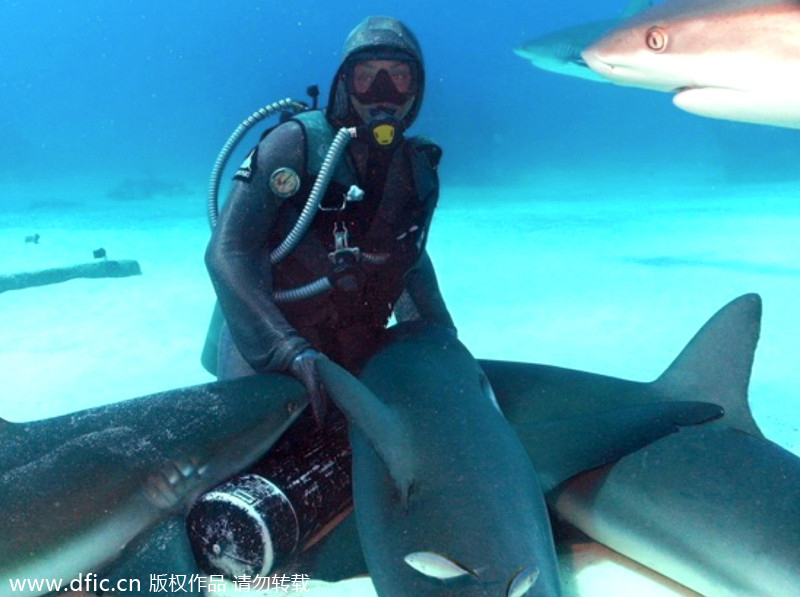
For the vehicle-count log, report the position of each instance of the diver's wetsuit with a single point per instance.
(392, 222)
(401, 188)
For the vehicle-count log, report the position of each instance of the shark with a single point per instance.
(447, 499)
(715, 510)
(438, 512)
(560, 51)
(79, 489)
(728, 59)
(712, 507)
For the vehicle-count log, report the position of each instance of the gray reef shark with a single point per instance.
(730, 59)
(446, 498)
(560, 51)
(713, 507)
(75, 490)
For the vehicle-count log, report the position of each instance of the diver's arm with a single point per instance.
(422, 298)
(238, 262)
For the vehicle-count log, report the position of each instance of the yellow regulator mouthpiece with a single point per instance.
(384, 134)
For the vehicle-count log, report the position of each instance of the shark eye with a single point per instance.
(436, 566)
(656, 39)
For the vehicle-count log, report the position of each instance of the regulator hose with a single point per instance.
(225, 153)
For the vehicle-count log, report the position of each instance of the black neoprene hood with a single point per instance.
(375, 38)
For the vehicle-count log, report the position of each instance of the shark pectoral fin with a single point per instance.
(436, 565)
(384, 429)
(590, 441)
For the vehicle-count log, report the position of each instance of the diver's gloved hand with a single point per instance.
(304, 368)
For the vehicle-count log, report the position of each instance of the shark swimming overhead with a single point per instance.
(560, 51)
(729, 59)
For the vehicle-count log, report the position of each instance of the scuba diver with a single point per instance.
(366, 240)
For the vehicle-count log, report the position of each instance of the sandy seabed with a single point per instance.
(611, 280)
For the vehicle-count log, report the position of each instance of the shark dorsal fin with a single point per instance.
(715, 366)
(381, 425)
(635, 7)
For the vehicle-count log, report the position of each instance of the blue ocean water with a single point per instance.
(126, 104)
(130, 90)
(581, 224)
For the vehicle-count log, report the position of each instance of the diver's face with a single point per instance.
(399, 72)
(382, 87)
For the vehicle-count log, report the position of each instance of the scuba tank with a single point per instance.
(253, 524)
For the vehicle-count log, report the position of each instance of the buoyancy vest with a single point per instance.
(390, 225)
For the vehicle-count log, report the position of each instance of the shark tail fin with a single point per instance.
(381, 426)
(716, 364)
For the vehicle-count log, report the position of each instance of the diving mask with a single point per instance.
(382, 92)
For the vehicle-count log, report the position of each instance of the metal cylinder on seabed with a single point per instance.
(252, 524)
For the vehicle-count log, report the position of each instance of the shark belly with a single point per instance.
(775, 107)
